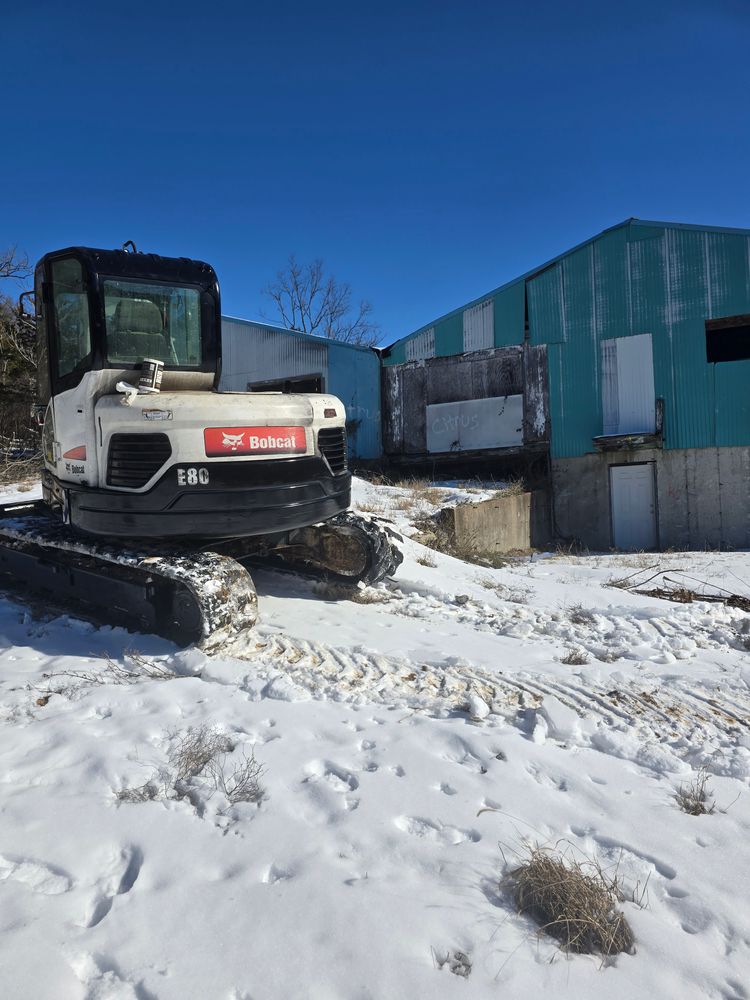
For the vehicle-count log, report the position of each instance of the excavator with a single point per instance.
(158, 489)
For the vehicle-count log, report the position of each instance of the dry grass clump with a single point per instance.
(438, 533)
(695, 798)
(195, 749)
(242, 783)
(371, 508)
(512, 489)
(200, 760)
(575, 657)
(578, 615)
(134, 668)
(427, 559)
(573, 901)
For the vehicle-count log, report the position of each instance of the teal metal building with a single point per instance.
(626, 360)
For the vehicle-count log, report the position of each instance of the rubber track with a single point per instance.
(383, 554)
(198, 596)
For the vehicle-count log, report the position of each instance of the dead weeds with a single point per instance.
(575, 657)
(574, 901)
(695, 798)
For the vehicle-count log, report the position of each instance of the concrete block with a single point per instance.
(504, 524)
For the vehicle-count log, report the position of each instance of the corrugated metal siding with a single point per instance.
(546, 313)
(355, 379)
(664, 280)
(510, 307)
(253, 352)
(421, 346)
(479, 326)
(449, 336)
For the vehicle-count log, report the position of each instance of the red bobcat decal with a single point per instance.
(254, 441)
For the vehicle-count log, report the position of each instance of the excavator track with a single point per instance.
(348, 548)
(186, 596)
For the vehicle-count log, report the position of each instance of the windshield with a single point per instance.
(151, 320)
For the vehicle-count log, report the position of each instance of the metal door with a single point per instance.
(633, 506)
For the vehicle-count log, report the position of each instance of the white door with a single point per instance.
(633, 506)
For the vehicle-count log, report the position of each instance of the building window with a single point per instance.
(728, 339)
(628, 399)
(294, 383)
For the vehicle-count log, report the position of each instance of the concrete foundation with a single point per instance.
(505, 524)
(702, 497)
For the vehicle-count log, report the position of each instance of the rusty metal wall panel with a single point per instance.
(448, 380)
(393, 420)
(535, 394)
(411, 391)
(497, 373)
(413, 382)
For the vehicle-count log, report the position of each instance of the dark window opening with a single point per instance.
(728, 339)
(295, 383)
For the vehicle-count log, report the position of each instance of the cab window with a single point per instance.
(149, 320)
(71, 309)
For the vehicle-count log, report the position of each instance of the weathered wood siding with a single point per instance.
(408, 389)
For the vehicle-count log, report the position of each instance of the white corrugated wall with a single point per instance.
(479, 326)
(253, 353)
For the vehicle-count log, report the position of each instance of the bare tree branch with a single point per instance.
(17, 358)
(307, 300)
(14, 264)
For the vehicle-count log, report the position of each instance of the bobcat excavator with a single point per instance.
(157, 487)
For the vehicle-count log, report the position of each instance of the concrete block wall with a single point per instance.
(702, 497)
(504, 524)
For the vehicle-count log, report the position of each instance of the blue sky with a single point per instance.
(427, 151)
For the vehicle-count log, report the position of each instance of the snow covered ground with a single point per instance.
(411, 743)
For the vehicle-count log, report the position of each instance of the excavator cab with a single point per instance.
(108, 310)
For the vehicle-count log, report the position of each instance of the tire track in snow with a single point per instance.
(356, 675)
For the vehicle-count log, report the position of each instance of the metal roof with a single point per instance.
(554, 260)
(273, 328)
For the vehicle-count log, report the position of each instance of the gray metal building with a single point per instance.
(260, 356)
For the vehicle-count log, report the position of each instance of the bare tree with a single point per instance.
(17, 357)
(14, 264)
(308, 300)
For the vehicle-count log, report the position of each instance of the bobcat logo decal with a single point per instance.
(232, 441)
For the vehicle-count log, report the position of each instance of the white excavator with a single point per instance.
(158, 489)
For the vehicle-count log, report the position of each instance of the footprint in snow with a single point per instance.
(37, 876)
(103, 979)
(330, 788)
(461, 753)
(277, 873)
(437, 832)
(119, 878)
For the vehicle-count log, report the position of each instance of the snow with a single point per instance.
(411, 743)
